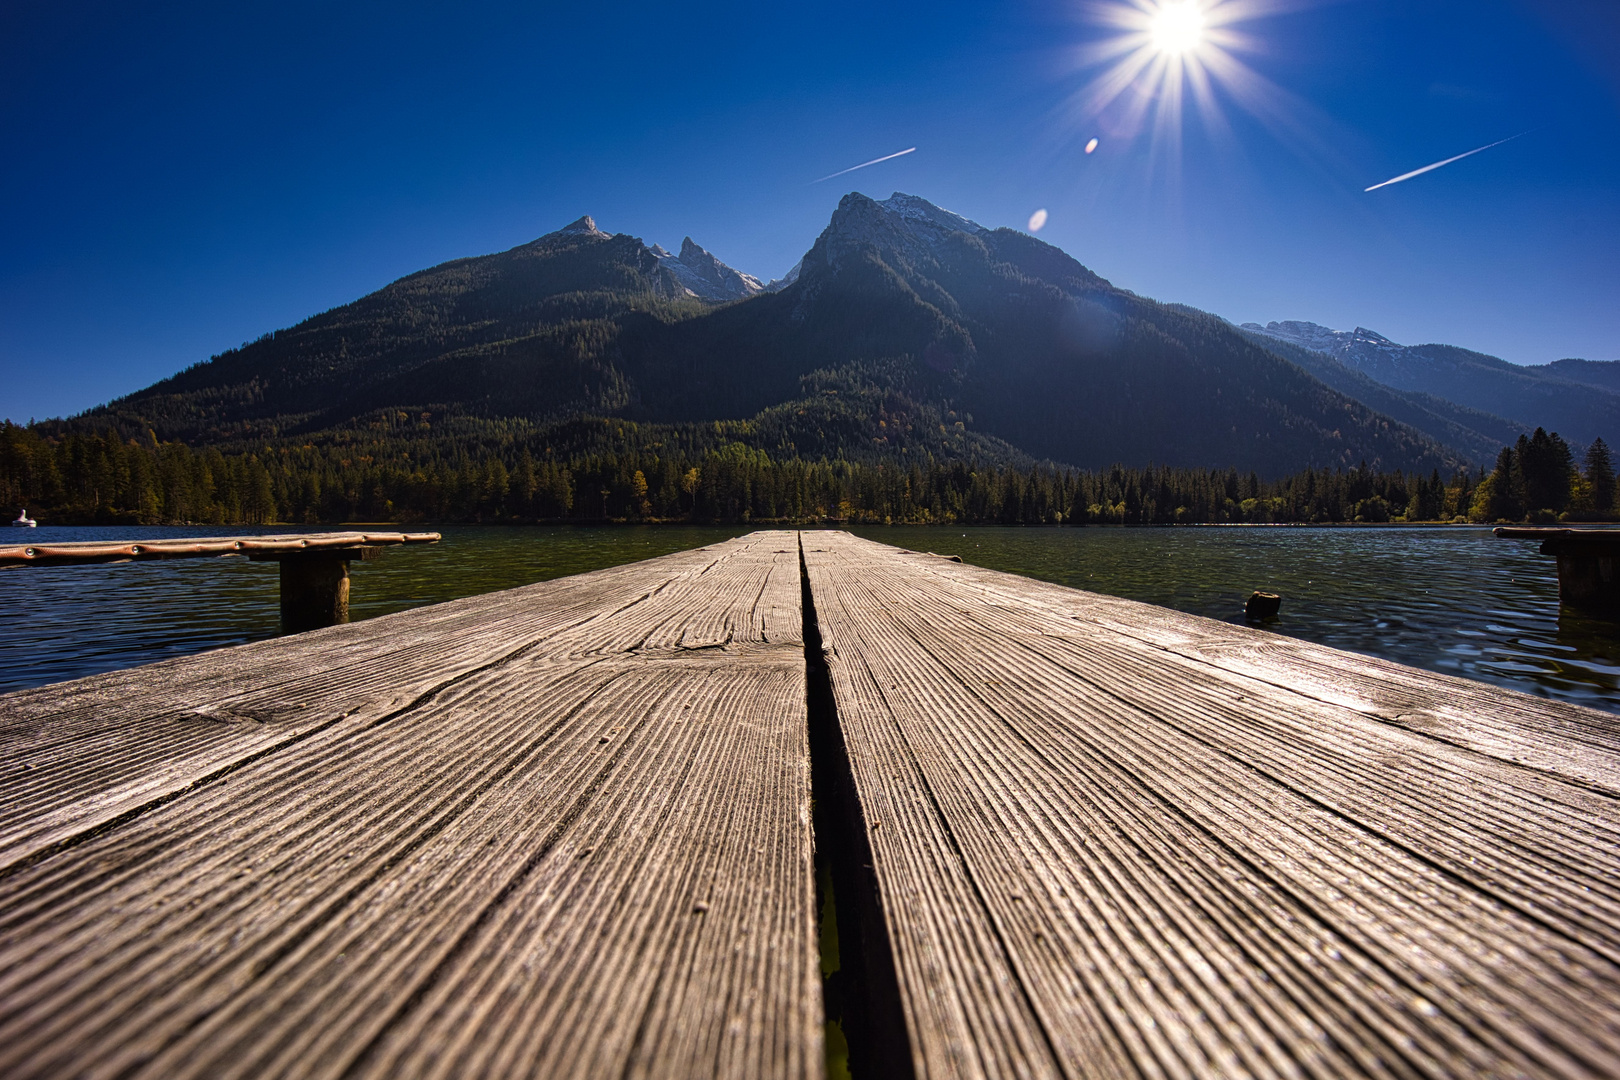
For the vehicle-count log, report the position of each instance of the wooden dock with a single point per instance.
(314, 565)
(566, 830)
(1586, 564)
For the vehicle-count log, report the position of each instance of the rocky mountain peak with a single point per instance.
(697, 273)
(1336, 343)
(914, 208)
(1372, 337)
(907, 225)
(778, 284)
(585, 226)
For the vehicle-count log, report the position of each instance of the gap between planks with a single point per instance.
(1099, 838)
(1097, 855)
(570, 837)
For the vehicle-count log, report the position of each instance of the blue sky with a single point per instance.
(182, 178)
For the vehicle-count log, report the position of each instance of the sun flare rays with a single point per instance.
(1162, 59)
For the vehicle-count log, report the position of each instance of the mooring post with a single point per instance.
(1586, 577)
(314, 592)
(1262, 605)
(315, 586)
(1586, 565)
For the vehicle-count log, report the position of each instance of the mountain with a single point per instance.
(1018, 339)
(1530, 396)
(907, 332)
(521, 332)
(1603, 374)
(778, 284)
(1479, 434)
(706, 277)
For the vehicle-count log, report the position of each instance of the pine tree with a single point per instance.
(1497, 498)
(1599, 473)
(1544, 466)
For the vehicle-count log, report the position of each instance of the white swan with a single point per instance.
(24, 521)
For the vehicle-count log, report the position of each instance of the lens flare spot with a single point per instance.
(1037, 220)
(1178, 27)
(1091, 146)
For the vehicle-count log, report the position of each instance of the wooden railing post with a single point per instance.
(1586, 577)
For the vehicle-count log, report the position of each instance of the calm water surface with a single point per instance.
(1453, 600)
(63, 622)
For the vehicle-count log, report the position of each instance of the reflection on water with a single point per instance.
(1453, 600)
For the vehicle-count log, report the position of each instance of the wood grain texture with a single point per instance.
(557, 831)
(1113, 840)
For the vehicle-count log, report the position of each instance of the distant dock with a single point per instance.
(575, 829)
(314, 566)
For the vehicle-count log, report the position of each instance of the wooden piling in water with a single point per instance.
(314, 592)
(1586, 565)
(314, 566)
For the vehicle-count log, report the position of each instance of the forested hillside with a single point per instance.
(910, 336)
(1554, 396)
(1479, 434)
(528, 332)
(102, 479)
(611, 470)
(1603, 374)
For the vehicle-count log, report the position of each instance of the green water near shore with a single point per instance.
(66, 622)
(1455, 600)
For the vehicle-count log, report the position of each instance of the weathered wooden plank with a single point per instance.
(1578, 743)
(76, 755)
(572, 838)
(1105, 842)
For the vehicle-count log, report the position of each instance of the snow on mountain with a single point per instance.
(1367, 351)
(1530, 396)
(778, 284)
(705, 277)
(918, 209)
(585, 226)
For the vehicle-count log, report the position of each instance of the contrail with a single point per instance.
(864, 164)
(1448, 161)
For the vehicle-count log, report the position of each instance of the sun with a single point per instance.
(1159, 59)
(1178, 27)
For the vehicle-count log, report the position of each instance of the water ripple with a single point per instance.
(64, 622)
(1454, 600)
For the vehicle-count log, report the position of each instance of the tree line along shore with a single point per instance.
(102, 478)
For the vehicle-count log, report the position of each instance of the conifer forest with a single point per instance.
(615, 471)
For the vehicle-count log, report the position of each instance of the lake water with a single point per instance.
(1455, 600)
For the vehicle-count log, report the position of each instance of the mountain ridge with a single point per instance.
(1530, 396)
(907, 331)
